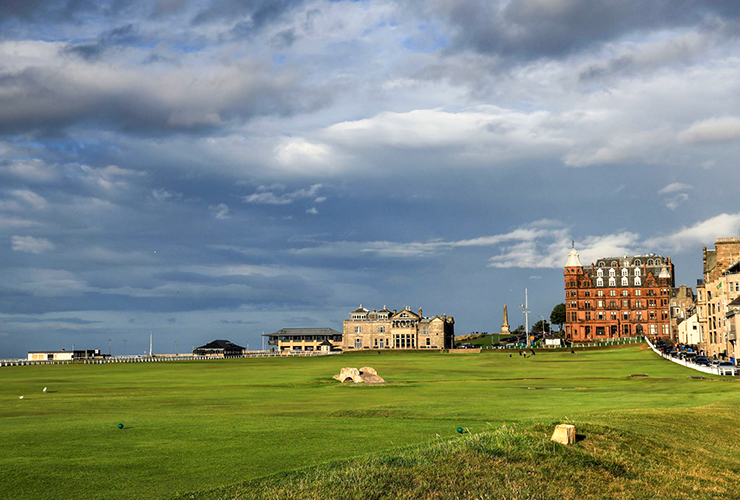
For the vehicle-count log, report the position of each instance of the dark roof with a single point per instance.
(221, 344)
(326, 342)
(735, 302)
(292, 332)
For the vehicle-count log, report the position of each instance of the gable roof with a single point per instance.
(221, 344)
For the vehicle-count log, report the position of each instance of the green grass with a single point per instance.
(220, 429)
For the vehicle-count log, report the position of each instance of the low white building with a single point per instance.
(688, 330)
(62, 355)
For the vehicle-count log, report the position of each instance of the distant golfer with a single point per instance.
(532, 350)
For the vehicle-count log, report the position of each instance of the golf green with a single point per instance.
(194, 426)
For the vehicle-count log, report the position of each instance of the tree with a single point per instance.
(519, 329)
(557, 316)
(537, 327)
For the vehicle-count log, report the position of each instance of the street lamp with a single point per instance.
(124, 347)
(109, 341)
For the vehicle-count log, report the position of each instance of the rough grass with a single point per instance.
(520, 462)
(201, 426)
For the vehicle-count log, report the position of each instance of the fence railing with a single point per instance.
(713, 370)
(602, 343)
(161, 359)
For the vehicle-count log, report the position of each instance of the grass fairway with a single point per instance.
(192, 427)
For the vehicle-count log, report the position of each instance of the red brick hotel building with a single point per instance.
(617, 297)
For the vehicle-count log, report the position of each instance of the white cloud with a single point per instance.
(30, 244)
(703, 233)
(675, 187)
(312, 211)
(712, 130)
(270, 198)
(29, 197)
(31, 171)
(220, 211)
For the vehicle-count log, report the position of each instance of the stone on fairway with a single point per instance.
(365, 375)
(370, 376)
(564, 434)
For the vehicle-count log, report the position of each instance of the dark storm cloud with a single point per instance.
(530, 29)
(45, 10)
(51, 98)
(31, 319)
(121, 36)
(258, 12)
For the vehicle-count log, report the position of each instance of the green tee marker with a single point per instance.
(120, 426)
(460, 430)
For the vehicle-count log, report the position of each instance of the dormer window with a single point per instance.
(638, 262)
(625, 271)
(638, 281)
(612, 272)
(614, 263)
(600, 273)
(625, 281)
(612, 281)
(637, 271)
(599, 281)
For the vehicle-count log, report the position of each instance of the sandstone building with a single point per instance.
(617, 297)
(404, 329)
(683, 305)
(714, 293)
(305, 339)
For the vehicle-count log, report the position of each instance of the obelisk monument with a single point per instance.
(505, 326)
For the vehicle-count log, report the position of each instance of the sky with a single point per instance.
(219, 169)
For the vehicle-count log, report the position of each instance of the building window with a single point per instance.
(637, 271)
(625, 282)
(358, 329)
(588, 316)
(612, 273)
(381, 329)
(600, 273)
(638, 262)
(612, 282)
(599, 282)
(638, 282)
(625, 293)
(625, 272)
(638, 292)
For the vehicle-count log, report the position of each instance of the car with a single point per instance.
(702, 361)
(726, 368)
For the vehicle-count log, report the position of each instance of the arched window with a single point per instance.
(638, 262)
(625, 282)
(381, 329)
(638, 281)
(612, 281)
(599, 281)
(625, 271)
(614, 263)
(612, 272)
(637, 271)
(602, 264)
(658, 262)
(650, 262)
(600, 273)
